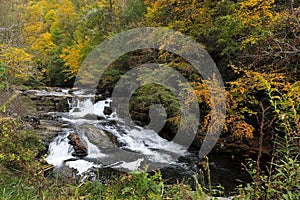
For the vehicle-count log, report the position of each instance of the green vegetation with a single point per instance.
(281, 178)
(135, 185)
(255, 44)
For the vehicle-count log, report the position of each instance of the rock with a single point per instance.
(107, 93)
(79, 148)
(101, 174)
(66, 175)
(172, 174)
(100, 117)
(52, 128)
(102, 139)
(107, 110)
(91, 117)
(100, 98)
(32, 120)
(65, 126)
(76, 110)
(47, 101)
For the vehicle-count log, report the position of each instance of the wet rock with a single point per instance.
(80, 150)
(173, 173)
(102, 139)
(32, 120)
(100, 98)
(91, 117)
(65, 126)
(47, 136)
(66, 175)
(107, 93)
(100, 118)
(107, 110)
(99, 174)
(48, 130)
(49, 100)
(76, 110)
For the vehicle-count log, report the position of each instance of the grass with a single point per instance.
(137, 185)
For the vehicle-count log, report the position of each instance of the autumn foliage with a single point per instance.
(255, 44)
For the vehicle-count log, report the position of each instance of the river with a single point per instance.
(116, 144)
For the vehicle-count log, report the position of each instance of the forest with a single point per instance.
(255, 45)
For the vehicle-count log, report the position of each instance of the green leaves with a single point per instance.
(18, 147)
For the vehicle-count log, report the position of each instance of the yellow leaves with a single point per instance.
(50, 16)
(294, 91)
(44, 70)
(179, 15)
(254, 81)
(238, 128)
(17, 62)
(43, 44)
(244, 96)
(254, 12)
(249, 40)
(71, 56)
(43, 17)
(256, 17)
(65, 11)
(32, 30)
(33, 27)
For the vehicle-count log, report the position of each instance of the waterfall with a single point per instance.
(60, 150)
(93, 150)
(104, 135)
(136, 139)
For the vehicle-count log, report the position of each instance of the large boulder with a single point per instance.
(101, 138)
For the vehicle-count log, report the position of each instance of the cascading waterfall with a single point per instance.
(103, 135)
(133, 138)
(60, 150)
(93, 150)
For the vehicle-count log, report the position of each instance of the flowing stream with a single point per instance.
(114, 143)
(146, 144)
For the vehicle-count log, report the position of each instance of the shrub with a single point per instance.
(18, 146)
(282, 179)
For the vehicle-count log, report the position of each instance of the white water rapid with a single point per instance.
(147, 145)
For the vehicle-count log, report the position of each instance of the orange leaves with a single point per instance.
(202, 92)
(246, 94)
(242, 129)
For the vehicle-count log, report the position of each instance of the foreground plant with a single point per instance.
(282, 178)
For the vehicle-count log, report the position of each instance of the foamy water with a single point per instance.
(133, 138)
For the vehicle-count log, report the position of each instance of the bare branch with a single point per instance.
(294, 14)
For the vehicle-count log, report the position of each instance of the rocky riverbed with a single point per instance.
(55, 118)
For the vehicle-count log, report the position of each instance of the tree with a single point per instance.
(16, 65)
(11, 22)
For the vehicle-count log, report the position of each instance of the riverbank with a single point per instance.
(40, 182)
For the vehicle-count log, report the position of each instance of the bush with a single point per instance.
(137, 185)
(18, 146)
(282, 179)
